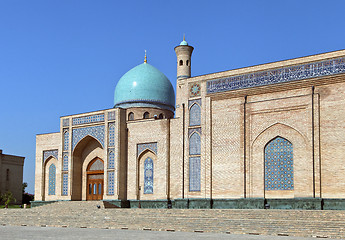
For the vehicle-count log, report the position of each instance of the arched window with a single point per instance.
(187, 62)
(279, 165)
(148, 176)
(51, 177)
(66, 140)
(111, 163)
(65, 162)
(111, 134)
(194, 144)
(181, 62)
(195, 115)
(146, 115)
(131, 116)
(161, 116)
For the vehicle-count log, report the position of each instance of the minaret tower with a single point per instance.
(183, 54)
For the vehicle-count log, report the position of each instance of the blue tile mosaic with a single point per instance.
(195, 144)
(279, 165)
(111, 116)
(65, 139)
(143, 146)
(111, 158)
(191, 102)
(95, 131)
(148, 176)
(111, 135)
(65, 162)
(111, 182)
(52, 178)
(194, 174)
(195, 115)
(65, 122)
(88, 119)
(194, 90)
(281, 75)
(65, 184)
(50, 153)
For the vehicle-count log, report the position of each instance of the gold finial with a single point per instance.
(184, 37)
(145, 60)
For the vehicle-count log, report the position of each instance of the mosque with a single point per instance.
(266, 135)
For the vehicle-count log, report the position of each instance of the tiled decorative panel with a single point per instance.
(52, 179)
(111, 183)
(148, 176)
(194, 90)
(111, 134)
(65, 139)
(191, 102)
(111, 116)
(65, 184)
(111, 158)
(50, 153)
(65, 162)
(191, 130)
(279, 165)
(195, 115)
(280, 75)
(65, 122)
(194, 174)
(88, 119)
(95, 131)
(143, 146)
(195, 144)
(97, 165)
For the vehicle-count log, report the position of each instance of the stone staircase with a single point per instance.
(93, 214)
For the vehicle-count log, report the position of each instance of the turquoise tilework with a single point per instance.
(52, 180)
(148, 176)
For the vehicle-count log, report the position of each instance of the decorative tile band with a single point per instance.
(65, 162)
(95, 131)
(111, 158)
(148, 176)
(52, 177)
(65, 139)
(281, 75)
(111, 134)
(143, 146)
(111, 183)
(194, 174)
(65, 184)
(50, 153)
(88, 119)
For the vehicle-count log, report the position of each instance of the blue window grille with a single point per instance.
(66, 140)
(111, 134)
(279, 165)
(111, 182)
(65, 162)
(148, 176)
(52, 178)
(111, 159)
(194, 174)
(65, 184)
(195, 115)
(195, 144)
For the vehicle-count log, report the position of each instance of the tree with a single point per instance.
(8, 198)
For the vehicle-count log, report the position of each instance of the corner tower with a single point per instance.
(184, 55)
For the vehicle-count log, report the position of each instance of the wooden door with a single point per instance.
(95, 180)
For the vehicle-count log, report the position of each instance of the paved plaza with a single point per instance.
(33, 233)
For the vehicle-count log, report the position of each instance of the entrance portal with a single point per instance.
(95, 180)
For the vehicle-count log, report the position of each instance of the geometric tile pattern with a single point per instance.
(66, 139)
(194, 90)
(65, 122)
(194, 174)
(111, 158)
(195, 144)
(143, 146)
(195, 115)
(52, 177)
(95, 131)
(50, 153)
(280, 75)
(191, 102)
(111, 135)
(97, 166)
(65, 162)
(148, 176)
(65, 184)
(111, 115)
(88, 119)
(111, 182)
(279, 165)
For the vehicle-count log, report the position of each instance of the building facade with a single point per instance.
(11, 177)
(271, 133)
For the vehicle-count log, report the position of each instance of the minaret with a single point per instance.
(183, 54)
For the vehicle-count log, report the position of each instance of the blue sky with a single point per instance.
(65, 57)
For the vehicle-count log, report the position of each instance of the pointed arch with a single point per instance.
(195, 144)
(195, 115)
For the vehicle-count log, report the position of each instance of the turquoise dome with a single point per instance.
(144, 86)
(184, 43)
